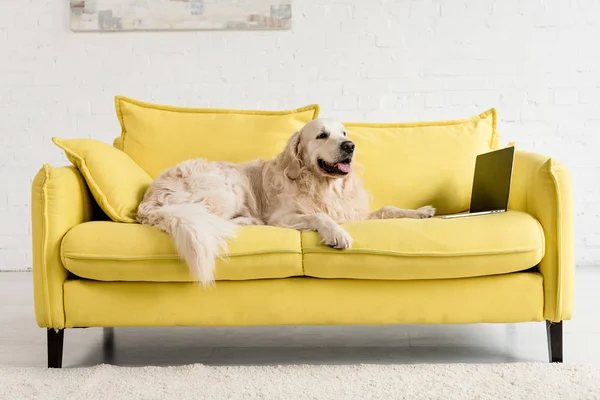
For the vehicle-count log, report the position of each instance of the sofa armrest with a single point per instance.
(541, 187)
(60, 200)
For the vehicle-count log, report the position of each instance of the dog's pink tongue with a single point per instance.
(344, 167)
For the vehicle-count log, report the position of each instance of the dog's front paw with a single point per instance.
(426, 212)
(337, 238)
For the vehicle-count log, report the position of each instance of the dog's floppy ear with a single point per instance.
(291, 157)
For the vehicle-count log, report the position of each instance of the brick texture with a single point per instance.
(537, 61)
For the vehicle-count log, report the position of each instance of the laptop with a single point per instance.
(491, 183)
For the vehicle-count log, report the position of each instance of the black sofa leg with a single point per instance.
(55, 347)
(555, 341)
(108, 345)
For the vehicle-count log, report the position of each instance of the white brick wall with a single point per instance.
(537, 61)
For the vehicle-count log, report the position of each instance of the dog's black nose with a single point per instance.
(348, 146)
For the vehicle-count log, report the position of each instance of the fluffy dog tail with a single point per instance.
(200, 237)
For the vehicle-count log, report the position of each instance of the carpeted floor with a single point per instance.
(426, 381)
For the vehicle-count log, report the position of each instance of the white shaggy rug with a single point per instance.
(441, 381)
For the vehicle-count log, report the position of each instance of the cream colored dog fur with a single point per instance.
(309, 186)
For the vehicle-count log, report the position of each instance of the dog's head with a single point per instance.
(322, 146)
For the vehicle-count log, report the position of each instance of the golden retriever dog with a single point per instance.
(309, 186)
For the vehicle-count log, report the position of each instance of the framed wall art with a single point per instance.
(149, 15)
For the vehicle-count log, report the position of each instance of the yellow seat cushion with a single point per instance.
(158, 137)
(110, 251)
(409, 165)
(436, 248)
(117, 183)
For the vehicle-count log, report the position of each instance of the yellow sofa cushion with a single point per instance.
(110, 251)
(404, 249)
(410, 165)
(117, 183)
(158, 137)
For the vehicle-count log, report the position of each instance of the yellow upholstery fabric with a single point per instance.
(542, 187)
(109, 251)
(410, 165)
(158, 137)
(118, 143)
(117, 183)
(435, 248)
(401, 249)
(306, 301)
(60, 200)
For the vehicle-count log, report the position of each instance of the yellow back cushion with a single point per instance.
(410, 165)
(158, 137)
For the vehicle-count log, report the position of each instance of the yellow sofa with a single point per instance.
(91, 271)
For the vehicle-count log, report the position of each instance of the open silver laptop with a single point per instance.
(491, 183)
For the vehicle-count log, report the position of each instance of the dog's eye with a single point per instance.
(322, 136)
(344, 133)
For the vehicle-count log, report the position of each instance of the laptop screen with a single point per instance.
(491, 183)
